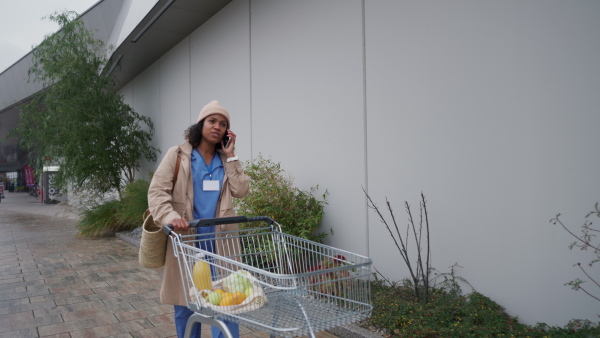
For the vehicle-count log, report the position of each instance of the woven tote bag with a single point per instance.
(153, 246)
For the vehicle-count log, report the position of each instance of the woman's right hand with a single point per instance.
(180, 224)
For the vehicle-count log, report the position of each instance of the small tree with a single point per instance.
(78, 120)
(587, 240)
(420, 269)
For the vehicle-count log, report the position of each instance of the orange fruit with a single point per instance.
(227, 299)
(239, 297)
(220, 291)
(232, 298)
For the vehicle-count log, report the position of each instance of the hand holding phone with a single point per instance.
(226, 139)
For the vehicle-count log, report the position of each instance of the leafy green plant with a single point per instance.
(451, 282)
(398, 313)
(272, 194)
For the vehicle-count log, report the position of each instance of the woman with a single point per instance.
(209, 176)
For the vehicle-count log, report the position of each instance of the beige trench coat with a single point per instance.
(166, 207)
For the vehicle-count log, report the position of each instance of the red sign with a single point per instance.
(29, 178)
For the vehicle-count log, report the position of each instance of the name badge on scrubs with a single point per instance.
(210, 185)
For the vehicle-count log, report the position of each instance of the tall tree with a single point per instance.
(79, 120)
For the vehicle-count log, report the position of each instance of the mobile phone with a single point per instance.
(226, 140)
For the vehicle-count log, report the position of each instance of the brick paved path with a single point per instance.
(55, 284)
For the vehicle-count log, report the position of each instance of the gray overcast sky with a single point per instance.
(22, 26)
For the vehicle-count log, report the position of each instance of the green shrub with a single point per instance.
(272, 194)
(100, 220)
(112, 216)
(397, 312)
(133, 204)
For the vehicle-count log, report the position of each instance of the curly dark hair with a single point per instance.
(194, 135)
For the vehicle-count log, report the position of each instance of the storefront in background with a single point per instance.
(49, 189)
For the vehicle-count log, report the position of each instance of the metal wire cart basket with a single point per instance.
(299, 287)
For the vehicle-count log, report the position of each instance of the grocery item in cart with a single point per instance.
(201, 273)
(332, 281)
(238, 284)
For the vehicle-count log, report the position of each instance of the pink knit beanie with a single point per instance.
(214, 107)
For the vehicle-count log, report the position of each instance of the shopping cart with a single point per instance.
(304, 286)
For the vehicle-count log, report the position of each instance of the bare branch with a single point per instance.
(557, 220)
(420, 273)
(373, 206)
(589, 294)
(588, 276)
(583, 243)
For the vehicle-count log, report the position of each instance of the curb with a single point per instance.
(353, 331)
(125, 236)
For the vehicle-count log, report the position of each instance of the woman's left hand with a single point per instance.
(229, 150)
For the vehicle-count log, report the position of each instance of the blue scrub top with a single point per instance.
(205, 202)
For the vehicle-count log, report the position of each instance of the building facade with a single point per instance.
(488, 108)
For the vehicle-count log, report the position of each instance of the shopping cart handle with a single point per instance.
(205, 222)
(229, 220)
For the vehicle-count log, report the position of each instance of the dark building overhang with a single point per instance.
(169, 22)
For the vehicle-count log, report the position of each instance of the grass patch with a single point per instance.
(110, 217)
(100, 220)
(133, 204)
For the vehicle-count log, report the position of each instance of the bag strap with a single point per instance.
(177, 164)
(176, 172)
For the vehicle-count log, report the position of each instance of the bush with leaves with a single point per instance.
(272, 194)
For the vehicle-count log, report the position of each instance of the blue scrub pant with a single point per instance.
(183, 313)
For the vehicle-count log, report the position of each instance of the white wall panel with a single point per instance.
(145, 100)
(490, 108)
(307, 103)
(220, 69)
(175, 95)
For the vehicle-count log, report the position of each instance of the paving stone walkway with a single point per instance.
(56, 284)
